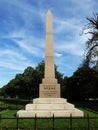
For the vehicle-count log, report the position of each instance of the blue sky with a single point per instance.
(22, 34)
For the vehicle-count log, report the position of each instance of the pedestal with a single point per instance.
(49, 107)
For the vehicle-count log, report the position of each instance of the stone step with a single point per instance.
(55, 107)
(47, 114)
(47, 107)
(49, 101)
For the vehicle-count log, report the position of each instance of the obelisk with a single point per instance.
(49, 87)
(49, 103)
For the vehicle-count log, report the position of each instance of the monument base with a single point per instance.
(47, 107)
(49, 90)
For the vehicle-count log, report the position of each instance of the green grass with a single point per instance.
(47, 123)
(88, 112)
(8, 114)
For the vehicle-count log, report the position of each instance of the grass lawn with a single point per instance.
(48, 123)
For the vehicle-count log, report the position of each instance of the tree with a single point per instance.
(64, 87)
(92, 43)
(26, 85)
(29, 71)
(82, 85)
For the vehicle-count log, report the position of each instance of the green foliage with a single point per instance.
(82, 85)
(26, 85)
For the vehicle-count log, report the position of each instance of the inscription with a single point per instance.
(49, 93)
(49, 87)
(49, 90)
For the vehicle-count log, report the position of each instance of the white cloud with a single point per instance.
(72, 42)
(31, 45)
(13, 59)
(28, 47)
(67, 25)
(58, 54)
(11, 53)
(73, 47)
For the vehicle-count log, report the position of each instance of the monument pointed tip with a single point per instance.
(48, 12)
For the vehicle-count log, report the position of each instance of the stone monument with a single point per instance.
(49, 87)
(49, 102)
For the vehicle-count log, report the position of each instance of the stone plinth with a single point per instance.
(49, 90)
(47, 107)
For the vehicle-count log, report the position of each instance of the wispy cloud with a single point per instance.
(71, 41)
(29, 43)
(13, 60)
(67, 25)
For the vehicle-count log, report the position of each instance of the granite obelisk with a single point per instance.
(49, 103)
(49, 87)
(49, 57)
